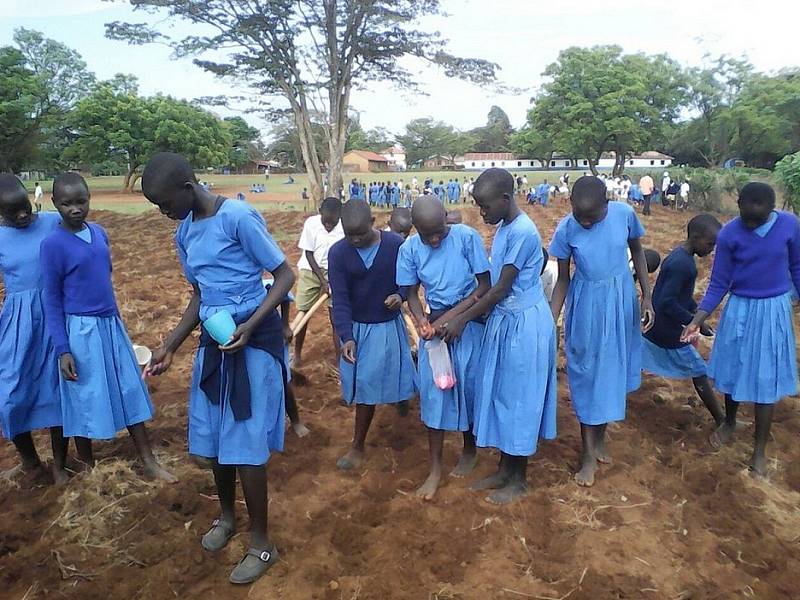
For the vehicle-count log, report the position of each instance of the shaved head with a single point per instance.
(428, 211)
(494, 182)
(166, 172)
(355, 212)
(11, 187)
(400, 221)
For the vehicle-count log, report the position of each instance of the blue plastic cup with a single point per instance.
(220, 326)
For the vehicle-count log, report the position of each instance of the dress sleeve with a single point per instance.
(559, 245)
(251, 231)
(475, 252)
(406, 267)
(635, 227)
(521, 246)
(306, 242)
(721, 273)
(342, 311)
(53, 296)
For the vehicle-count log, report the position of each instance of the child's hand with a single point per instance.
(648, 315)
(425, 330)
(393, 302)
(452, 330)
(349, 352)
(238, 340)
(160, 362)
(690, 332)
(288, 334)
(67, 365)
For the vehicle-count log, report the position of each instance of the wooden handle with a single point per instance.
(412, 330)
(302, 319)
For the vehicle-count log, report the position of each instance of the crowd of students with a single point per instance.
(67, 363)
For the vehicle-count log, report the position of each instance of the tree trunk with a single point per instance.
(131, 177)
(308, 148)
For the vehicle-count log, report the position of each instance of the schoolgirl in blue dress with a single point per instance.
(29, 396)
(450, 263)
(102, 391)
(603, 330)
(376, 365)
(516, 380)
(663, 353)
(754, 358)
(236, 402)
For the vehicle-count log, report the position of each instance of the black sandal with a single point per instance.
(248, 574)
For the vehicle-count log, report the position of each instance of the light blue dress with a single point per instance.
(225, 256)
(674, 363)
(29, 397)
(448, 275)
(369, 381)
(754, 358)
(516, 393)
(602, 323)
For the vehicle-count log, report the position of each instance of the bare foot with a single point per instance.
(585, 477)
(493, 482)
(512, 491)
(758, 467)
(721, 435)
(156, 471)
(60, 477)
(352, 460)
(601, 454)
(465, 465)
(428, 489)
(300, 430)
(402, 408)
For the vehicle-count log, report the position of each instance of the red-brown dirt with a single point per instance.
(670, 519)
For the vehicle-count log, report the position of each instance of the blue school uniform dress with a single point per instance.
(29, 396)
(82, 318)
(225, 256)
(361, 279)
(663, 353)
(516, 393)
(448, 275)
(602, 323)
(754, 358)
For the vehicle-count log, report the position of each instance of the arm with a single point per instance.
(671, 281)
(561, 288)
(284, 280)
(718, 286)
(794, 256)
(640, 265)
(496, 294)
(287, 328)
(424, 328)
(55, 318)
(342, 309)
(484, 284)
(317, 270)
(162, 357)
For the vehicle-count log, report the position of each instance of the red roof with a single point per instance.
(369, 155)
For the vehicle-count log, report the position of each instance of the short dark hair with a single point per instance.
(589, 188)
(10, 183)
(495, 180)
(355, 211)
(703, 224)
(68, 178)
(757, 192)
(331, 205)
(166, 170)
(653, 259)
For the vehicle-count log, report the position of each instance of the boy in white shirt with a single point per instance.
(37, 197)
(684, 201)
(320, 232)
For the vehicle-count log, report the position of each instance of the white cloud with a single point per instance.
(51, 8)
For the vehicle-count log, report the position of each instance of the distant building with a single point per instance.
(478, 161)
(396, 155)
(439, 163)
(364, 161)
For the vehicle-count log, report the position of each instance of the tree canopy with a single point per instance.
(424, 138)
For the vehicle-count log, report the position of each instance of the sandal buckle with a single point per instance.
(264, 556)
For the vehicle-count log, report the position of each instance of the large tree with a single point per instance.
(424, 138)
(598, 100)
(310, 53)
(495, 135)
(18, 93)
(114, 122)
(245, 142)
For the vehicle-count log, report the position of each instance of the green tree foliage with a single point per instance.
(533, 142)
(18, 126)
(375, 139)
(245, 142)
(787, 172)
(598, 100)
(115, 122)
(495, 135)
(424, 138)
(309, 53)
(285, 147)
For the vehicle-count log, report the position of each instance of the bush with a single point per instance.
(787, 172)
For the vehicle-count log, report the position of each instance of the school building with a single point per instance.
(364, 161)
(478, 161)
(396, 155)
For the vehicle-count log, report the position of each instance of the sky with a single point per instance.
(522, 36)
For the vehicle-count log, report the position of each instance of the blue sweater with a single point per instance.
(751, 266)
(77, 280)
(673, 299)
(358, 293)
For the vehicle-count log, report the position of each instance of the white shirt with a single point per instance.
(524, 181)
(610, 185)
(38, 193)
(549, 278)
(315, 238)
(665, 184)
(684, 190)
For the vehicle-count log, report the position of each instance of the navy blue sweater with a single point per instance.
(358, 293)
(673, 299)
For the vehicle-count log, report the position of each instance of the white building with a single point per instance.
(396, 155)
(478, 161)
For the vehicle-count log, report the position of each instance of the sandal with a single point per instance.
(247, 571)
(218, 536)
